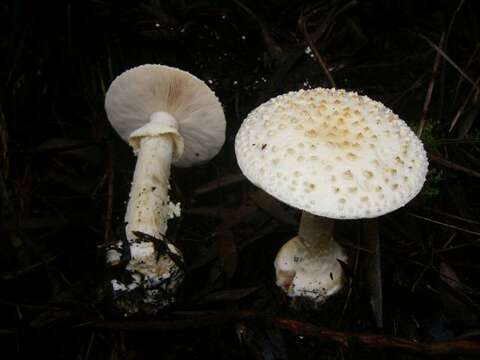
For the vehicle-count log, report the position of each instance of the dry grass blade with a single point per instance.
(228, 295)
(428, 97)
(109, 205)
(4, 165)
(219, 183)
(450, 61)
(445, 224)
(273, 207)
(457, 247)
(373, 270)
(464, 105)
(227, 249)
(468, 122)
(302, 22)
(273, 48)
(451, 165)
(453, 216)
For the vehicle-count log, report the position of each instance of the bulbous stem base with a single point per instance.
(307, 266)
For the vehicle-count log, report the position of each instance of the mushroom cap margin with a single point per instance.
(141, 91)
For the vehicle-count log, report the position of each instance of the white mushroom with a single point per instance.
(334, 155)
(168, 116)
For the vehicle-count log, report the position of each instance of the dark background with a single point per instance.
(65, 174)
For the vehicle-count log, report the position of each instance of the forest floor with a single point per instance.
(65, 177)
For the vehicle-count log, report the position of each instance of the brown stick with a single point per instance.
(109, 210)
(451, 165)
(373, 268)
(227, 180)
(428, 97)
(316, 53)
(345, 339)
(273, 48)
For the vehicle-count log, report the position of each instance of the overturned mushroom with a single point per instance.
(168, 116)
(334, 155)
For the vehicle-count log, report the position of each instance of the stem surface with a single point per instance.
(148, 208)
(316, 232)
(155, 266)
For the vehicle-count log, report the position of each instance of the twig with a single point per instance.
(373, 269)
(452, 216)
(60, 148)
(471, 60)
(456, 247)
(273, 48)
(341, 338)
(28, 269)
(424, 271)
(219, 183)
(451, 165)
(6, 207)
(452, 20)
(356, 258)
(4, 163)
(445, 224)
(428, 97)
(473, 91)
(303, 26)
(447, 39)
(447, 141)
(110, 177)
(450, 61)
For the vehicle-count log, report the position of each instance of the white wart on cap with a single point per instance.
(332, 153)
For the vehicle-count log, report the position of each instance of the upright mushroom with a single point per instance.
(335, 155)
(168, 116)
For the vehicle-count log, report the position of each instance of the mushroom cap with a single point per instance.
(138, 93)
(331, 153)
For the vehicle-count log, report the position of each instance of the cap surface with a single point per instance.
(142, 91)
(331, 153)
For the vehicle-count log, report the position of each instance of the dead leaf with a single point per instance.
(227, 250)
(226, 180)
(228, 295)
(449, 276)
(453, 298)
(262, 344)
(273, 207)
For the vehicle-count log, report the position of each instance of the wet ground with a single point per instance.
(65, 177)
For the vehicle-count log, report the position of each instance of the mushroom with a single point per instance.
(335, 155)
(168, 116)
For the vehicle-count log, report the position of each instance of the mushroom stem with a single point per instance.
(316, 232)
(307, 266)
(154, 262)
(148, 207)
